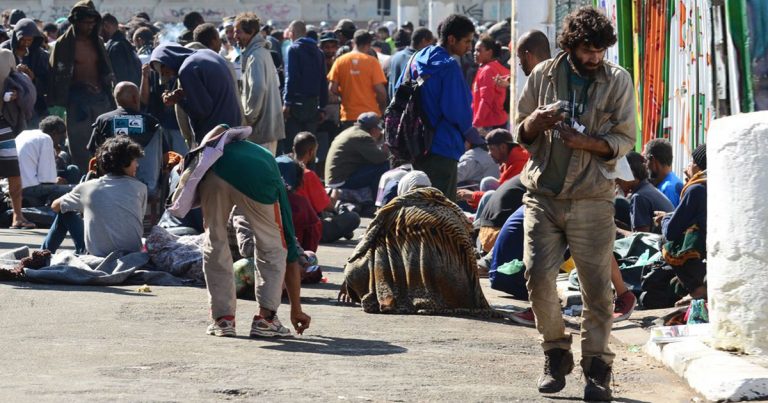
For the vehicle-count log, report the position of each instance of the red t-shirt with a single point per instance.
(516, 160)
(312, 188)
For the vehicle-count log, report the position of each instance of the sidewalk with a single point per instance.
(717, 375)
(116, 344)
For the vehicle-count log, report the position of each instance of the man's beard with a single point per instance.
(581, 68)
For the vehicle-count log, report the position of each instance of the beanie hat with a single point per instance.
(700, 156)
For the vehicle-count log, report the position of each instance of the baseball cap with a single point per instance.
(368, 120)
(328, 36)
(499, 136)
(474, 137)
(345, 25)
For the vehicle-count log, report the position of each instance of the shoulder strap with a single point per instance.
(420, 80)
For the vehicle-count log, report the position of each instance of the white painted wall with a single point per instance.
(737, 233)
(281, 11)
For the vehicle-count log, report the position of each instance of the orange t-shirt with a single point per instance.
(357, 74)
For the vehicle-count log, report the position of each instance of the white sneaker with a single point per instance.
(268, 328)
(222, 327)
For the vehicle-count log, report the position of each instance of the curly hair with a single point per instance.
(587, 25)
(248, 22)
(116, 154)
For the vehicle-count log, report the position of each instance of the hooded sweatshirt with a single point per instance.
(445, 98)
(63, 57)
(36, 58)
(210, 98)
(261, 95)
(125, 61)
(305, 73)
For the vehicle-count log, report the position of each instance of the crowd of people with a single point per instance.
(287, 135)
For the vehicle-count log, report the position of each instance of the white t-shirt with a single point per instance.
(37, 158)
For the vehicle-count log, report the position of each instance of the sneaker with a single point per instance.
(262, 327)
(625, 305)
(557, 364)
(525, 317)
(222, 327)
(598, 386)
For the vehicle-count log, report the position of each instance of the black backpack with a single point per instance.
(407, 131)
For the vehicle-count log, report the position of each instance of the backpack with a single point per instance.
(407, 131)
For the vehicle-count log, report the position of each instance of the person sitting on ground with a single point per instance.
(355, 160)
(112, 206)
(499, 206)
(658, 158)
(142, 128)
(511, 279)
(388, 183)
(334, 225)
(645, 199)
(37, 162)
(305, 222)
(476, 163)
(685, 230)
(416, 257)
(507, 153)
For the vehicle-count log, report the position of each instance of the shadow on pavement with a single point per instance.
(80, 288)
(334, 346)
(580, 398)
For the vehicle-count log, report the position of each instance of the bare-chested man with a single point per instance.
(83, 78)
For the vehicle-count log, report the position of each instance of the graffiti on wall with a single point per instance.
(474, 11)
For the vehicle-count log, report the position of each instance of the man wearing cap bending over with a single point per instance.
(355, 160)
(576, 119)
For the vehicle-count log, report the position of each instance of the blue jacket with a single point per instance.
(445, 99)
(209, 99)
(305, 72)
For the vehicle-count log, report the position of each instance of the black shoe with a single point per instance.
(557, 364)
(598, 377)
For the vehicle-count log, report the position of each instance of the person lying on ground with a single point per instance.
(112, 206)
(416, 257)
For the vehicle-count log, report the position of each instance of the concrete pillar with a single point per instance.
(737, 233)
(438, 10)
(408, 10)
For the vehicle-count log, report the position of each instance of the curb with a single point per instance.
(717, 375)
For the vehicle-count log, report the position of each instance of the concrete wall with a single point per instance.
(737, 234)
(282, 12)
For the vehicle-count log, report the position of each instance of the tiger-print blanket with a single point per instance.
(417, 257)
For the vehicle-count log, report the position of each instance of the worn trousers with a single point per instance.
(587, 228)
(442, 172)
(217, 199)
(83, 109)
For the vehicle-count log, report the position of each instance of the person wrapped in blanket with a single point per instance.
(417, 256)
(685, 230)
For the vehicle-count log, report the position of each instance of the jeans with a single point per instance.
(339, 226)
(302, 118)
(63, 223)
(366, 176)
(42, 194)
